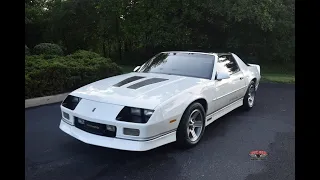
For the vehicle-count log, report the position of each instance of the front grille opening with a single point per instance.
(95, 128)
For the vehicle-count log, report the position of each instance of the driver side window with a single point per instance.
(220, 68)
(228, 64)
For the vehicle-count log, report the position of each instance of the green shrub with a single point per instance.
(82, 54)
(26, 50)
(48, 49)
(63, 74)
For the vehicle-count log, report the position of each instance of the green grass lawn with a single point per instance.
(278, 78)
(277, 73)
(269, 74)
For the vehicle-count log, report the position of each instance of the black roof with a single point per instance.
(219, 53)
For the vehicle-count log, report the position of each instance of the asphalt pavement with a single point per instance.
(223, 153)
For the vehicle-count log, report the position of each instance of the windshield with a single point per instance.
(183, 64)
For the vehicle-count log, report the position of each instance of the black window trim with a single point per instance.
(211, 73)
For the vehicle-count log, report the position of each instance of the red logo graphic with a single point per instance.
(258, 155)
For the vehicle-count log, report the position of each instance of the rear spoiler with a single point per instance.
(255, 65)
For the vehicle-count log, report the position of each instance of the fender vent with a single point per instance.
(146, 82)
(128, 80)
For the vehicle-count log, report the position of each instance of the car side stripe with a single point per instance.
(128, 80)
(146, 82)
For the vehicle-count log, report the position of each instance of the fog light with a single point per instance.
(131, 132)
(111, 128)
(80, 121)
(66, 115)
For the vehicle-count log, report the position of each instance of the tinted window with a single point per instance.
(184, 64)
(229, 63)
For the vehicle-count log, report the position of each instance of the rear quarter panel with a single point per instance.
(249, 72)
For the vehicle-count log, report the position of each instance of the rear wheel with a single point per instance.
(249, 98)
(192, 126)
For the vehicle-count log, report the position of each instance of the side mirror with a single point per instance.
(222, 75)
(136, 69)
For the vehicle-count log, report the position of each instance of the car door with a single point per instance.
(220, 90)
(226, 91)
(236, 86)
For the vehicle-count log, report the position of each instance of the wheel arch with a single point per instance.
(254, 80)
(203, 102)
(200, 100)
(256, 83)
(182, 134)
(176, 108)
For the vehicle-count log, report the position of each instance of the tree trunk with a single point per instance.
(118, 37)
(66, 42)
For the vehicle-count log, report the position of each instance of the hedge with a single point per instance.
(47, 48)
(48, 75)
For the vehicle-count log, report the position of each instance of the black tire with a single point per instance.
(183, 138)
(246, 103)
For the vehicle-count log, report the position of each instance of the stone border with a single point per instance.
(44, 100)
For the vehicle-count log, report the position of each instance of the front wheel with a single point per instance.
(249, 98)
(192, 125)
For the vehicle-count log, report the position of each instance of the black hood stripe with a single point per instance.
(128, 80)
(146, 82)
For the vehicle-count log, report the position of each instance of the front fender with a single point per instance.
(174, 108)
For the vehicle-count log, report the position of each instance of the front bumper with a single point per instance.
(117, 143)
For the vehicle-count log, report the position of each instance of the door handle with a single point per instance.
(241, 78)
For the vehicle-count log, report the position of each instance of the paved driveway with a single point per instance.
(221, 155)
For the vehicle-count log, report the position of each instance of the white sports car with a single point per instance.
(171, 97)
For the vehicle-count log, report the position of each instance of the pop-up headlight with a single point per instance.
(135, 115)
(71, 102)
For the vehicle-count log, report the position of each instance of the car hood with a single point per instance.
(143, 90)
